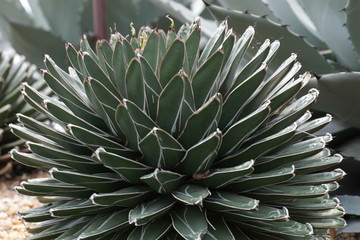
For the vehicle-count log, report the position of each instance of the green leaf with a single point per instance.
(288, 116)
(52, 187)
(59, 227)
(258, 149)
(98, 73)
(105, 96)
(318, 178)
(279, 192)
(189, 221)
(148, 211)
(278, 79)
(172, 62)
(152, 87)
(143, 123)
(220, 230)
(160, 149)
(221, 201)
(309, 57)
(66, 158)
(287, 228)
(318, 215)
(205, 78)
(332, 223)
(310, 204)
(151, 231)
(126, 197)
(163, 181)
(95, 140)
(78, 207)
(128, 169)
(192, 46)
(103, 182)
(134, 83)
(200, 157)
(290, 154)
(63, 114)
(34, 161)
(261, 213)
(191, 194)
(63, 89)
(40, 132)
(38, 214)
(105, 225)
(120, 64)
(236, 100)
(287, 93)
(201, 122)
(263, 56)
(127, 126)
(220, 177)
(169, 104)
(235, 57)
(151, 51)
(214, 42)
(316, 163)
(106, 112)
(237, 133)
(254, 181)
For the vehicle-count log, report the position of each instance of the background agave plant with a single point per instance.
(154, 141)
(14, 70)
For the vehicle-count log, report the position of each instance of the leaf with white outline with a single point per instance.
(191, 194)
(126, 197)
(221, 201)
(200, 157)
(151, 231)
(148, 211)
(189, 221)
(163, 181)
(160, 149)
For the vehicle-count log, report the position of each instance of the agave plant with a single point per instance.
(13, 71)
(156, 141)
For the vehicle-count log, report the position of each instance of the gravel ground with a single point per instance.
(11, 226)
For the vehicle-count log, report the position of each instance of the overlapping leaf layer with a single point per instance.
(153, 140)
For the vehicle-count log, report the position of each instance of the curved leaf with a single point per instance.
(267, 29)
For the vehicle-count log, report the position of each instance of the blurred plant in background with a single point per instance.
(14, 71)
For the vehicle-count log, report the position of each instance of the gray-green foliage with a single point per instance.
(14, 71)
(157, 141)
(323, 32)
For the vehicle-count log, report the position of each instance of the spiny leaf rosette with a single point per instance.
(155, 141)
(14, 70)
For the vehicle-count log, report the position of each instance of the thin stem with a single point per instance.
(99, 19)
